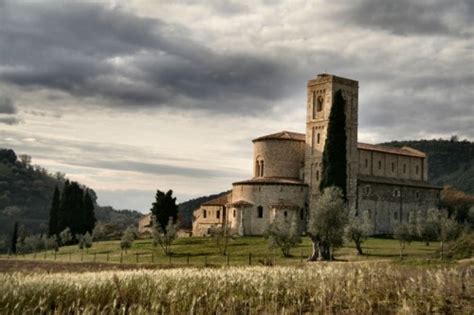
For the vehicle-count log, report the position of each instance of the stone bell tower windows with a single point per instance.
(259, 167)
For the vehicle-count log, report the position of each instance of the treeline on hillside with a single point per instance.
(26, 192)
(73, 209)
(450, 162)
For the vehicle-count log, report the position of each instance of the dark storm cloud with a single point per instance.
(405, 17)
(7, 106)
(86, 49)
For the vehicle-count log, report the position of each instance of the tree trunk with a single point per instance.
(359, 248)
(315, 254)
(442, 250)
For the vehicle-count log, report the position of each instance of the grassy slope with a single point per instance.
(239, 249)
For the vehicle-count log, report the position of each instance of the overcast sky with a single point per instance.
(132, 96)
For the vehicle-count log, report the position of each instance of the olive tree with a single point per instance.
(283, 235)
(65, 236)
(222, 236)
(359, 229)
(327, 220)
(165, 237)
(127, 238)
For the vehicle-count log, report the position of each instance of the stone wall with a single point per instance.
(266, 196)
(391, 204)
(206, 217)
(390, 165)
(282, 158)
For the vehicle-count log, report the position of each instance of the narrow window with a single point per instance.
(218, 214)
(369, 213)
(301, 214)
(204, 214)
(380, 165)
(366, 163)
(417, 168)
(417, 195)
(319, 138)
(367, 190)
(396, 193)
(317, 175)
(260, 212)
(257, 168)
(224, 212)
(320, 103)
(285, 214)
(233, 213)
(404, 168)
(261, 169)
(314, 104)
(395, 215)
(393, 167)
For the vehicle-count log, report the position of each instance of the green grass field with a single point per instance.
(204, 251)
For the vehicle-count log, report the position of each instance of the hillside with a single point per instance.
(450, 162)
(26, 191)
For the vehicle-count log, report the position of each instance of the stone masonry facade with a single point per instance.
(389, 183)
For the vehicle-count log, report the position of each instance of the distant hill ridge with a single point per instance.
(26, 191)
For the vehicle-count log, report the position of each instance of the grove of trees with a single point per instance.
(71, 209)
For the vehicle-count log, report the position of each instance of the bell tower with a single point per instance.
(320, 93)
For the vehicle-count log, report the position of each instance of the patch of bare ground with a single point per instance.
(35, 266)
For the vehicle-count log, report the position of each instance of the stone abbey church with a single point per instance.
(387, 182)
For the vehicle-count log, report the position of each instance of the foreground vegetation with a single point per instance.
(362, 288)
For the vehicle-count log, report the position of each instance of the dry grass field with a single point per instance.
(337, 287)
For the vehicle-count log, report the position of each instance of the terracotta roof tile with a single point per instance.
(399, 151)
(218, 201)
(241, 203)
(271, 181)
(396, 181)
(283, 135)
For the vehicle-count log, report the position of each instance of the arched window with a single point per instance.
(314, 104)
(260, 212)
(320, 103)
(204, 213)
(257, 168)
(261, 168)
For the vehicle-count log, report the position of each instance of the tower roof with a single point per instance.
(283, 135)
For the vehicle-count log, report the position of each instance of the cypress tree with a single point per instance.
(164, 207)
(89, 218)
(334, 168)
(14, 238)
(76, 209)
(64, 207)
(54, 214)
